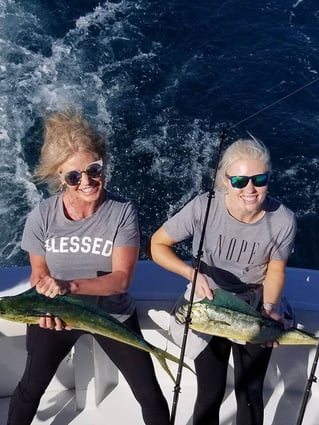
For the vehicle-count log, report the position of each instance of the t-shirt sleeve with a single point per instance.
(283, 249)
(182, 225)
(33, 239)
(128, 229)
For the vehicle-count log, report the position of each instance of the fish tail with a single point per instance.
(162, 356)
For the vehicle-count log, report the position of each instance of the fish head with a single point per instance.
(16, 309)
(8, 310)
(199, 313)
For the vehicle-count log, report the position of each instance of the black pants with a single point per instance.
(250, 366)
(46, 350)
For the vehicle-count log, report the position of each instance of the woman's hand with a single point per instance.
(272, 314)
(52, 323)
(202, 288)
(51, 287)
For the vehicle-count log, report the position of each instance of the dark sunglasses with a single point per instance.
(92, 170)
(258, 180)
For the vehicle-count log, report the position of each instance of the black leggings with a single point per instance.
(46, 349)
(250, 366)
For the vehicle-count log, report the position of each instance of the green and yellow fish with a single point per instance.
(230, 317)
(28, 306)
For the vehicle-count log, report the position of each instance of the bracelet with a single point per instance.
(268, 307)
(66, 290)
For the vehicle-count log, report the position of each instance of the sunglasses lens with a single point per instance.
(238, 182)
(260, 180)
(94, 170)
(72, 178)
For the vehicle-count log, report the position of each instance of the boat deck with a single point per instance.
(121, 409)
(59, 406)
(87, 389)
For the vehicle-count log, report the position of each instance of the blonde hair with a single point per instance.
(65, 134)
(241, 149)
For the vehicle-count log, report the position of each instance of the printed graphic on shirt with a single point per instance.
(75, 244)
(236, 250)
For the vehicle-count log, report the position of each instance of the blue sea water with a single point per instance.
(162, 79)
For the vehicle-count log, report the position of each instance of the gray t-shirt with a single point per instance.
(83, 248)
(235, 254)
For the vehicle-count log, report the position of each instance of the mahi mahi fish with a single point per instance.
(28, 306)
(230, 317)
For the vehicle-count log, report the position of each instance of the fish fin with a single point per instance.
(63, 299)
(162, 356)
(303, 332)
(28, 293)
(222, 322)
(228, 300)
(67, 300)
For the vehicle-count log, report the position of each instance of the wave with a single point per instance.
(161, 80)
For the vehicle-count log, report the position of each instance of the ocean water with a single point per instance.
(162, 79)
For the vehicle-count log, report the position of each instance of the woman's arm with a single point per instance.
(162, 253)
(118, 281)
(273, 287)
(124, 260)
(39, 268)
(40, 275)
(274, 283)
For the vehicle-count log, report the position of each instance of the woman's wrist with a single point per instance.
(269, 307)
(67, 287)
(73, 287)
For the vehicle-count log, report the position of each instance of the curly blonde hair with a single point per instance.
(65, 134)
(241, 149)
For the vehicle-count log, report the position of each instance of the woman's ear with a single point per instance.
(63, 187)
(225, 184)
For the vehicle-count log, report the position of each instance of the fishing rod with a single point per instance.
(273, 103)
(210, 196)
(312, 378)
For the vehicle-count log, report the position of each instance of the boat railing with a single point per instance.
(93, 376)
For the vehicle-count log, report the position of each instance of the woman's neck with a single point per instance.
(248, 217)
(76, 209)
